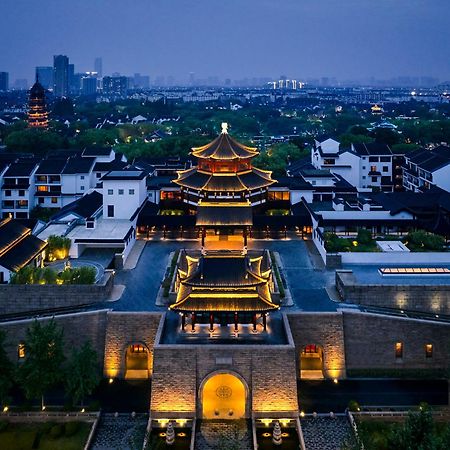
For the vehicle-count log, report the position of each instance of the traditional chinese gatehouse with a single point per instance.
(224, 287)
(224, 186)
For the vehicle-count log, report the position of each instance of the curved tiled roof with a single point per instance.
(206, 285)
(224, 147)
(224, 182)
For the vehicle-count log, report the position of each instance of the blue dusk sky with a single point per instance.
(347, 39)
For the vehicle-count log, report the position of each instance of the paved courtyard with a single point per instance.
(306, 283)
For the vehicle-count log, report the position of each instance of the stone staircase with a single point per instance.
(325, 432)
(223, 435)
(120, 431)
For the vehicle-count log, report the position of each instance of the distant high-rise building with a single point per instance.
(73, 81)
(115, 86)
(192, 78)
(89, 84)
(4, 81)
(37, 108)
(60, 75)
(98, 66)
(76, 83)
(141, 81)
(45, 76)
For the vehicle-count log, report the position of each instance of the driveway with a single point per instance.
(306, 283)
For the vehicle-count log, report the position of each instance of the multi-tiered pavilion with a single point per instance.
(224, 186)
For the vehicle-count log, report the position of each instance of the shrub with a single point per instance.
(364, 236)
(71, 428)
(420, 241)
(3, 425)
(24, 276)
(83, 275)
(334, 243)
(167, 281)
(276, 272)
(353, 406)
(56, 431)
(36, 275)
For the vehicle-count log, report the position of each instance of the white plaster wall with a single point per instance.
(441, 178)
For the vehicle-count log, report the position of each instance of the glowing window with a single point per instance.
(428, 350)
(311, 348)
(399, 349)
(138, 348)
(414, 271)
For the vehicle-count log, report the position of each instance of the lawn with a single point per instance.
(44, 436)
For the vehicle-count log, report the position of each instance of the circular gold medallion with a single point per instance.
(224, 392)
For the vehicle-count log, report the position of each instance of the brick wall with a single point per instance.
(180, 371)
(370, 342)
(17, 299)
(325, 330)
(78, 328)
(124, 329)
(424, 298)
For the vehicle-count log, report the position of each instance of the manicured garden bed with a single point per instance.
(44, 436)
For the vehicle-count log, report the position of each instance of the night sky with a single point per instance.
(347, 39)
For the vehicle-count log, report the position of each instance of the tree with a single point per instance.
(416, 433)
(34, 141)
(58, 246)
(63, 108)
(277, 157)
(44, 357)
(82, 373)
(420, 240)
(6, 370)
(347, 139)
(364, 236)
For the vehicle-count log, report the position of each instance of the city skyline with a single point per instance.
(298, 39)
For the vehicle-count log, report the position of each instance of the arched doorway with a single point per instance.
(311, 362)
(223, 396)
(136, 362)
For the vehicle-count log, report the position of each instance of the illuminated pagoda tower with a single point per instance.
(37, 108)
(223, 287)
(224, 186)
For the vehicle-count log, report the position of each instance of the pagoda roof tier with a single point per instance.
(224, 214)
(224, 182)
(224, 147)
(223, 282)
(239, 302)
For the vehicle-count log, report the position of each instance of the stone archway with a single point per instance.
(312, 362)
(136, 362)
(223, 395)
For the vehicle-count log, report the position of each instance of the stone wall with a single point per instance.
(424, 298)
(325, 330)
(77, 327)
(370, 342)
(267, 371)
(124, 329)
(23, 298)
